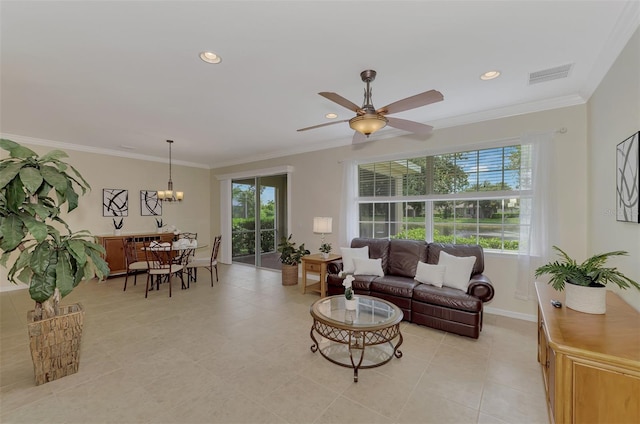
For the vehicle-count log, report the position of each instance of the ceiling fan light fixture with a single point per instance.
(210, 57)
(368, 123)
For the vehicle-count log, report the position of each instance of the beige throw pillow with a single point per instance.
(458, 270)
(430, 274)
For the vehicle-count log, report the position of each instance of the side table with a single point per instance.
(316, 265)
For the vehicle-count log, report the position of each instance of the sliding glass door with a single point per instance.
(258, 219)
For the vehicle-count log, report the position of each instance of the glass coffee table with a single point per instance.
(360, 338)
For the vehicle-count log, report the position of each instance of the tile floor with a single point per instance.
(239, 353)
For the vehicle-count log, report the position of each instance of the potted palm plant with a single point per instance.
(290, 257)
(45, 253)
(585, 283)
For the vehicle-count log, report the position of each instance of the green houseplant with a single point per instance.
(325, 249)
(46, 254)
(290, 257)
(567, 274)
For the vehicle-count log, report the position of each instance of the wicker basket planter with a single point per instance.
(55, 343)
(590, 300)
(289, 275)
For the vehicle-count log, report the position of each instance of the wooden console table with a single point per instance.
(590, 363)
(316, 265)
(114, 248)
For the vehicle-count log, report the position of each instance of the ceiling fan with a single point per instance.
(369, 120)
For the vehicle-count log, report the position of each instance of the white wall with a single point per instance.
(317, 181)
(192, 214)
(614, 115)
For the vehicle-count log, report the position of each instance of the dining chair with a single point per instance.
(160, 264)
(134, 263)
(210, 263)
(188, 236)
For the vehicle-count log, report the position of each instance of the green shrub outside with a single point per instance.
(486, 243)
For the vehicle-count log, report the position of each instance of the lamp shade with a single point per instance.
(322, 224)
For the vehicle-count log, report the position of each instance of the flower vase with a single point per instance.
(159, 230)
(350, 304)
(117, 232)
(325, 255)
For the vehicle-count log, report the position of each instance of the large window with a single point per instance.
(462, 197)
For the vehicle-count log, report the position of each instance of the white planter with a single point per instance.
(325, 255)
(159, 230)
(117, 232)
(590, 300)
(351, 304)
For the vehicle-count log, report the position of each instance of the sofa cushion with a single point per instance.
(368, 267)
(457, 270)
(349, 253)
(378, 248)
(447, 297)
(430, 274)
(394, 285)
(404, 256)
(362, 283)
(433, 253)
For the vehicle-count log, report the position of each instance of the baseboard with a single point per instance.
(510, 314)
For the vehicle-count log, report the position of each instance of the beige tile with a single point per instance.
(512, 405)
(239, 352)
(426, 408)
(344, 410)
(380, 393)
(300, 400)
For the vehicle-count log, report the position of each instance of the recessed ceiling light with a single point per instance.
(489, 75)
(210, 57)
(331, 116)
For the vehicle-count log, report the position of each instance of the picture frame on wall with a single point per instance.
(150, 204)
(115, 202)
(628, 179)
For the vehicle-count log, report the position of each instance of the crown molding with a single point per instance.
(96, 150)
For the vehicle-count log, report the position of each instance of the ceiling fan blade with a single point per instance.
(411, 126)
(336, 98)
(422, 99)
(323, 125)
(358, 138)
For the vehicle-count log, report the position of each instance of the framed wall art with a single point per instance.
(628, 179)
(150, 205)
(115, 202)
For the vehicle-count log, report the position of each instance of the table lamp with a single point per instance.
(322, 225)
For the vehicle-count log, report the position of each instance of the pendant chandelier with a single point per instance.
(169, 195)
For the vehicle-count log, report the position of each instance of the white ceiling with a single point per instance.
(103, 75)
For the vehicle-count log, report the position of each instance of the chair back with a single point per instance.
(130, 251)
(188, 236)
(216, 249)
(159, 258)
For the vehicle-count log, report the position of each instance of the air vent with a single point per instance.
(550, 74)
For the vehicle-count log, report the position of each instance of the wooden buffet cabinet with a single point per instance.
(114, 248)
(590, 363)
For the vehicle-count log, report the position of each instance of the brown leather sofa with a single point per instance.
(443, 308)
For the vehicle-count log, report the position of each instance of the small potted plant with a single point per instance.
(290, 256)
(585, 283)
(325, 249)
(159, 225)
(117, 226)
(349, 301)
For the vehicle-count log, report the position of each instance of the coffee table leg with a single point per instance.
(356, 342)
(314, 346)
(396, 352)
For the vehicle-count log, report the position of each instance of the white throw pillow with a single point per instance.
(458, 270)
(368, 267)
(348, 253)
(430, 274)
